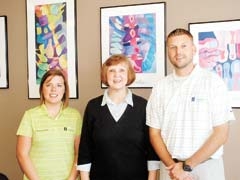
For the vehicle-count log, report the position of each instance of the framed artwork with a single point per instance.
(137, 31)
(51, 33)
(3, 53)
(218, 50)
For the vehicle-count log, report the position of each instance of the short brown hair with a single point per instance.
(52, 73)
(114, 60)
(178, 32)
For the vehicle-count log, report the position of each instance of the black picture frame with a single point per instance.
(4, 82)
(137, 31)
(52, 42)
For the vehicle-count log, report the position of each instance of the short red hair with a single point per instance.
(114, 60)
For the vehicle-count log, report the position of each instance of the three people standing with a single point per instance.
(188, 113)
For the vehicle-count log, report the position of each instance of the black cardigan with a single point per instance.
(117, 150)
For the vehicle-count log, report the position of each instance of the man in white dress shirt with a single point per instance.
(188, 113)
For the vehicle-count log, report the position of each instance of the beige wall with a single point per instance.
(14, 101)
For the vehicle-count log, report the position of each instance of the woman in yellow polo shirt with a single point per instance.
(49, 134)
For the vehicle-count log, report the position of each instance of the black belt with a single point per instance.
(177, 160)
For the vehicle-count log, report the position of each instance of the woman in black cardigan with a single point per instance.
(114, 140)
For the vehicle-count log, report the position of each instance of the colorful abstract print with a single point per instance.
(51, 44)
(134, 36)
(219, 51)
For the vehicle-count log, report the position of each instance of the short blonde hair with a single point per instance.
(179, 32)
(114, 60)
(52, 73)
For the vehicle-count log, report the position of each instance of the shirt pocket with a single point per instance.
(200, 107)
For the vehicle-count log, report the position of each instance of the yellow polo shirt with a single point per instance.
(52, 150)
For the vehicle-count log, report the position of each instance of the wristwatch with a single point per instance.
(186, 167)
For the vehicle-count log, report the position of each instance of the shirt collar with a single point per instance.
(176, 77)
(43, 107)
(106, 99)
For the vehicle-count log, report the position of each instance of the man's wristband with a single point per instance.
(186, 167)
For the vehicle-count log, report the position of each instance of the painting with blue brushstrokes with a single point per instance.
(137, 31)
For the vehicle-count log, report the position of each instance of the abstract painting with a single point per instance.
(218, 50)
(51, 42)
(137, 31)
